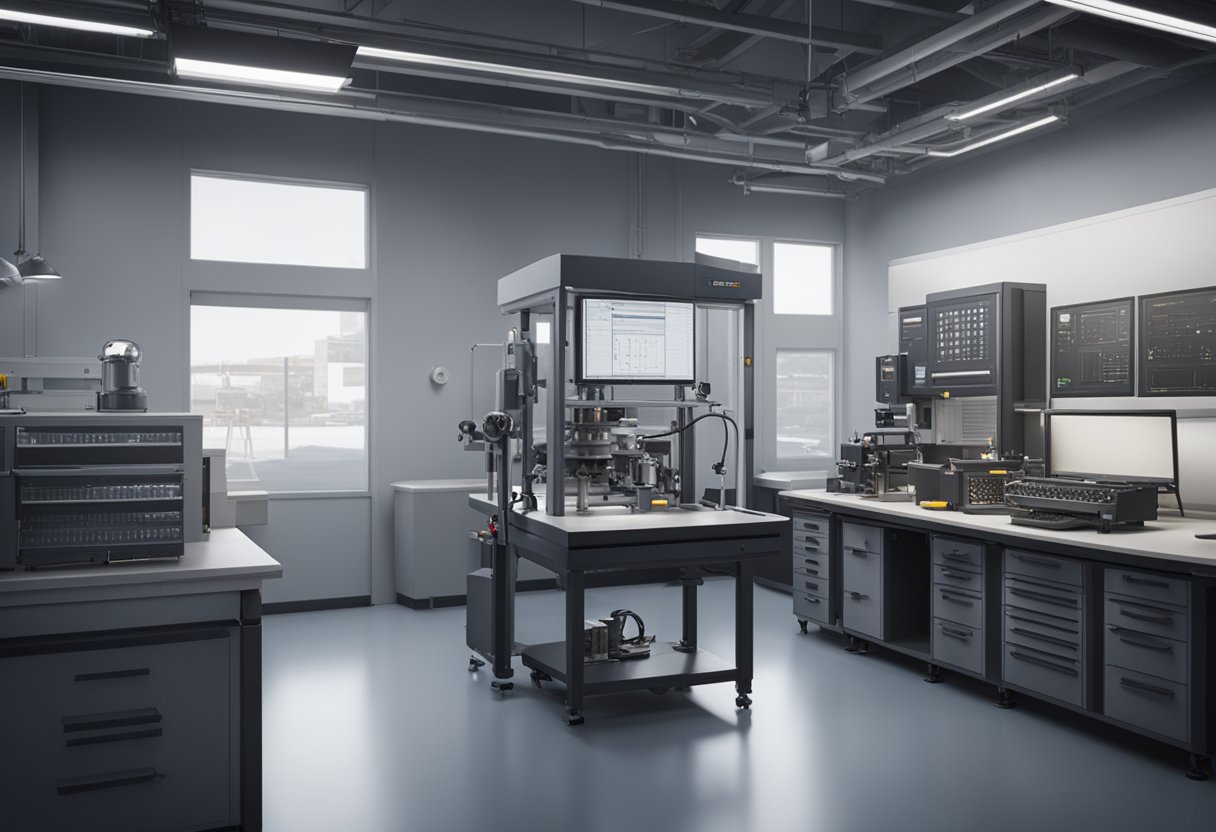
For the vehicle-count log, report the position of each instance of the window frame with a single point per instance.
(338, 303)
(279, 180)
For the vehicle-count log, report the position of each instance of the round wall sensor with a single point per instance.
(440, 375)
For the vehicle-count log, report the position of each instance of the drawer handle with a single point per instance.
(957, 555)
(1013, 617)
(117, 779)
(1046, 599)
(954, 599)
(1022, 631)
(814, 526)
(811, 600)
(112, 674)
(1142, 641)
(811, 586)
(859, 552)
(1132, 684)
(1152, 619)
(124, 737)
(810, 561)
(962, 576)
(1050, 564)
(1132, 579)
(116, 719)
(856, 596)
(962, 635)
(814, 572)
(1014, 654)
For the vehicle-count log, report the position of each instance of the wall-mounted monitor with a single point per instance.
(1120, 446)
(1178, 343)
(1091, 349)
(634, 341)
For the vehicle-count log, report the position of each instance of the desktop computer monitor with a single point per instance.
(1123, 446)
(634, 341)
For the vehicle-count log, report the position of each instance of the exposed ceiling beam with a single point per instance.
(741, 43)
(748, 23)
(914, 8)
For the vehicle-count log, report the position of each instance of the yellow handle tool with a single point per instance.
(934, 504)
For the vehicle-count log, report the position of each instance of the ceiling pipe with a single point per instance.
(912, 8)
(750, 24)
(496, 123)
(877, 70)
(941, 60)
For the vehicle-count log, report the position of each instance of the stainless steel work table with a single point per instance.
(151, 673)
(618, 542)
(1149, 589)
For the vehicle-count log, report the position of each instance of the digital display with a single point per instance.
(1092, 349)
(636, 341)
(1119, 446)
(1178, 344)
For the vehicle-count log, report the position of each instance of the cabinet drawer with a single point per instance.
(1042, 567)
(1155, 656)
(958, 646)
(862, 537)
(958, 554)
(812, 608)
(1149, 587)
(861, 571)
(862, 613)
(111, 747)
(812, 564)
(814, 523)
(810, 584)
(1147, 702)
(1144, 617)
(1045, 633)
(1045, 673)
(1061, 602)
(951, 575)
(959, 606)
(810, 543)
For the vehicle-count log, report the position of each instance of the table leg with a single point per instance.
(504, 614)
(688, 643)
(743, 632)
(574, 648)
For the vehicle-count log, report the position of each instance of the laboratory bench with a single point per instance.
(619, 546)
(1117, 627)
(132, 692)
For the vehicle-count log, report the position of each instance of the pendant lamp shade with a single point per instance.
(35, 268)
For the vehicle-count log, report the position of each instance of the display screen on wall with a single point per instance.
(1091, 349)
(1178, 343)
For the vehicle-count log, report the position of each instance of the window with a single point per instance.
(284, 223)
(802, 279)
(739, 250)
(281, 384)
(805, 404)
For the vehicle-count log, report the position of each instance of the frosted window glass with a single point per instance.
(802, 279)
(805, 404)
(281, 223)
(741, 251)
(284, 391)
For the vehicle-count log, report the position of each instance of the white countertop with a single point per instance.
(228, 554)
(1167, 538)
(440, 485)
(605, 519)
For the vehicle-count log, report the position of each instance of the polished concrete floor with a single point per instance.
(373, 722)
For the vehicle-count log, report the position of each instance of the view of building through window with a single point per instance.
(284, 392)
(804, 404)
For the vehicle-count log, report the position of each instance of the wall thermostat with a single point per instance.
(440, 375)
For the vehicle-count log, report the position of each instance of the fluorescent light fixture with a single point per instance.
(229, 57)
(423, 59)
(1165, 20)
(16, 13)
(1008, 134)
(258, 76)
(1004, 102)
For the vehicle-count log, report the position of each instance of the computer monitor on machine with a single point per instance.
(635, 341)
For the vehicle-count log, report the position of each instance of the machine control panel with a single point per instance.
(1178, 343)
(962, 342)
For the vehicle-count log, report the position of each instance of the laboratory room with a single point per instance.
(694, 416)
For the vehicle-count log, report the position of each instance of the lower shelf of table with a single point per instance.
(664, 667)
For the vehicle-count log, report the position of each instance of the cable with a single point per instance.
(725, 434)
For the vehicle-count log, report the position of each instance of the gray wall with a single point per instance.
(451, 212)
(1154, 149)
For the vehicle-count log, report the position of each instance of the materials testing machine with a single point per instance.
(607, 425)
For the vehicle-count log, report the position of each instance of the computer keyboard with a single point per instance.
(1050, 520)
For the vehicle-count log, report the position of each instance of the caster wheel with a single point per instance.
(574, 718)
(538, 677)
(502, 687)
(802, 625)
(743, 701)
(1004, 700)
(475, 664)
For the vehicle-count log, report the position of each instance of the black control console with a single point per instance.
(1103, 504)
